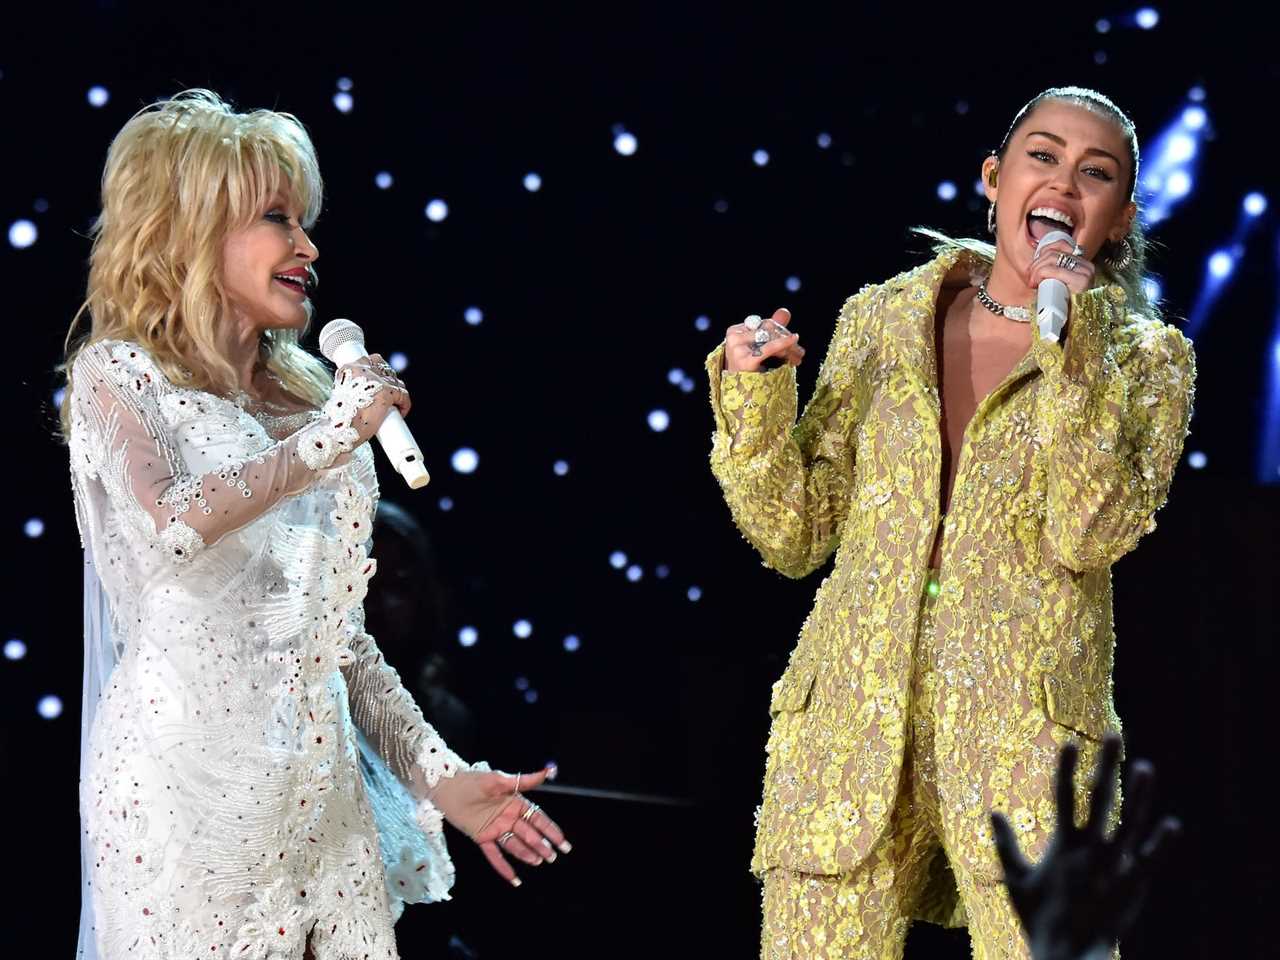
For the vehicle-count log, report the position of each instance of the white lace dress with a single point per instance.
(251, 769)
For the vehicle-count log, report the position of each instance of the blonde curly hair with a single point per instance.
(180, 175)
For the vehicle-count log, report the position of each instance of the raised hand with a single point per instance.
(1087, 890)
(384, 385)
(742, 351)
(1062, 260)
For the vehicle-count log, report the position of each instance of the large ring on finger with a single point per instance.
(755, 350)
(753, 322)
(529, 811)
(505, 837)
(1067, 261)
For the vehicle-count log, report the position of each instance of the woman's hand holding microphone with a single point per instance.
(390, 393)
(749, 344)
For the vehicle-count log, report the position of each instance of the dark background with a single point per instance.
(590, 288)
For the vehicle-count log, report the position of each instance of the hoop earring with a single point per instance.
(1125, 251)
(991, 219)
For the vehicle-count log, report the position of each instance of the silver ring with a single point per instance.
(1078, 251)
(1067, 261)
(505, 837)
(753, 322)
(529, 811)
(755, 350)
(517, 783)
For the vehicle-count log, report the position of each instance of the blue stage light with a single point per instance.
(49, 707)
(532, 182)
(760, 158)
(1221, 264)
(824, 140)
(659, 420)
(946, 191)
(437, 210)
(343, 101)
(468, 636)
(22, 233)
(1255, 204)
(625, 143)
(14, 649)
(522, 629)
(572, 643)
(617, 559)
(384, 180)
(98, 96)
(1197, 460)
(1146, 18)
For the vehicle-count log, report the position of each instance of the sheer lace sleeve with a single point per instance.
(788, 484)
(119, 434)
(1121, 397)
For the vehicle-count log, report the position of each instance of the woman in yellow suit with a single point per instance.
(976, 481)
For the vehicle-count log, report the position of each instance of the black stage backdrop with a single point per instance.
(590, 289)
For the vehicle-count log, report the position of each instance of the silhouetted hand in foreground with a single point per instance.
(1087, 890)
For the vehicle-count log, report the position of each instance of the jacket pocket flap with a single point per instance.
(1069, 704)
(791, 691)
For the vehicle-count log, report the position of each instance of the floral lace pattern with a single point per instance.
(1061, 471)
(224, 800)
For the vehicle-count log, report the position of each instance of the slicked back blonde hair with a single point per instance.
(180, 176)
(1132, 278)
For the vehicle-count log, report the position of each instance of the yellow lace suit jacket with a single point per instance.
(1060, 472)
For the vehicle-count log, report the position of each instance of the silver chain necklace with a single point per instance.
(1020, 314)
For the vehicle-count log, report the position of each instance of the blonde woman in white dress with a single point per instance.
(256, 783)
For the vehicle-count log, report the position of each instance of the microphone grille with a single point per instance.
(337, 332)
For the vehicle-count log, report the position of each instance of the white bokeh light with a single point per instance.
(1178, 184)
(1197, 460)
(1221, 264)
(572, 643)
(659, 420)
(22, 233)
(560, 468)
(635, 572)
(760, 158)
(343, 101)
(398, 361)
(625, 143)
(345, 84)
(437, 210)
(687, 385)
(1255, 204)
(14, 649)
(532, 182)
(617, 559)
(1193, 118)
(946, 190)
(792, 284)
(33, 528)
(522, 629)
(474, 316)
(384, 180)
(468, 636)
(98, 96)
(1196, 94)
(465, 460)
(674, 376)
(694, 594)
(49, 707)
(702, 322)
(1146, 18)
(1181, 148)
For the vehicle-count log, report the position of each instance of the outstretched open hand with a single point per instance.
(1087, 890)
(488, 807)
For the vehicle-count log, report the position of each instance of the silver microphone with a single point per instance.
(343, 342)
(1052, 295)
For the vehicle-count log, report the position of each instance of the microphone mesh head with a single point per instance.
(337, 332)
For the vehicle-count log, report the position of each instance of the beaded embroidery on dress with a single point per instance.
(252, 770)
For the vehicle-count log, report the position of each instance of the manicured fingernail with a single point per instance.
(552, 772)
(565, 847)
(516, 882)
(551, 857)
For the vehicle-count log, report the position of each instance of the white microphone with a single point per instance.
(343, 342)
(1051, 296)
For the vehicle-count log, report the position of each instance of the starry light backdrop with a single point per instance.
(546, 222)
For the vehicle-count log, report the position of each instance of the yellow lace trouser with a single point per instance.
(864, 915)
